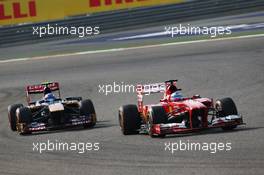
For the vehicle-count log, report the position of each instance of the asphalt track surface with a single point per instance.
(218, 69)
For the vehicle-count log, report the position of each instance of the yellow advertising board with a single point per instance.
(91, 6)
(26, 11)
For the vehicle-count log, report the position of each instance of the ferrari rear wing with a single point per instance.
(153, 88)
(148, 89)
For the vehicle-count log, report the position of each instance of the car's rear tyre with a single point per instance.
(24, 117)
(129, 119)
(157, 115)
(225, 107)
(12, 115)
(87, 108)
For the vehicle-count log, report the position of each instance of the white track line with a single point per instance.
(129, 48)
(166, 33)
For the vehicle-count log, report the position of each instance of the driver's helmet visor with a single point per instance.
(176, 95)
(49, 97)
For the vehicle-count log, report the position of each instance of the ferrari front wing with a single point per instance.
(177, 128)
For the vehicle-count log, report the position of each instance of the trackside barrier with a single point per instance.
(27, 11)
(126, 19)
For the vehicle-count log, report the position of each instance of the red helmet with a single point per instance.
(171, 89)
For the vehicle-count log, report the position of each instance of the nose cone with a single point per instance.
(56, 107)
(193, 104)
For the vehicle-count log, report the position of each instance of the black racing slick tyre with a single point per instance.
(225, 107)
(24, 117)
(157, 115)
(87, 108)
(12, 115)
(129, 119)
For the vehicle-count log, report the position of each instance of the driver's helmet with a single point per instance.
(176, 96)
(49, 97)
(171, 89)
(47, 90)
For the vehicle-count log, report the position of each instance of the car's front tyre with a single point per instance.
(157, 115)
(24, 118)
(12, 115)
(87, 109)
(225, 107)
(129, 119)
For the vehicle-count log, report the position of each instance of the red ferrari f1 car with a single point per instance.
(175, 113)
(50, 111)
